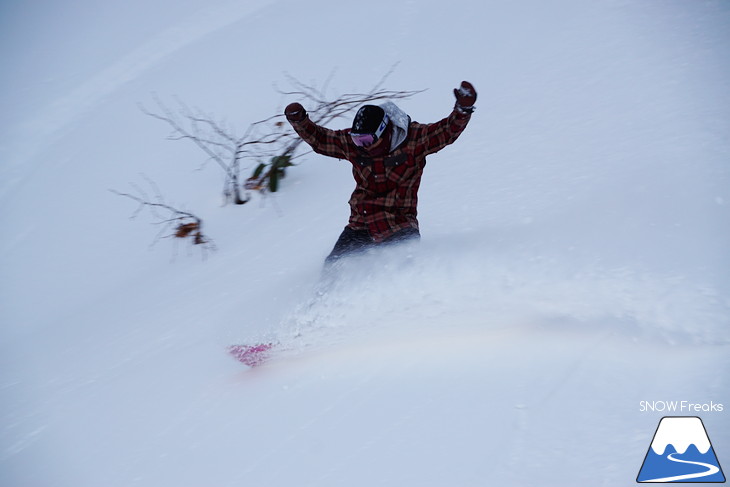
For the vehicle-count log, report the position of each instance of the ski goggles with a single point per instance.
(366, 140)
(363, 140)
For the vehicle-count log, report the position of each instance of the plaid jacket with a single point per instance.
(386, 196)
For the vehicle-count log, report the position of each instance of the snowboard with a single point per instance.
(252, 355)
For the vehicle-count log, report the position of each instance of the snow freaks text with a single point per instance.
(681, 407)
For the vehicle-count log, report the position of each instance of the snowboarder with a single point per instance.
(388, 153)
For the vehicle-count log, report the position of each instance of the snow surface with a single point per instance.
(573, 262)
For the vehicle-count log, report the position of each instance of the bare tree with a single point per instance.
(174, 223)
(271, 141)
(218, 141)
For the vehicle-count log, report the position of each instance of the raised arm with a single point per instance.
(435, 136)
(332, 143)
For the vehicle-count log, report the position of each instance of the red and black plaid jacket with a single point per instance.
(386, 196)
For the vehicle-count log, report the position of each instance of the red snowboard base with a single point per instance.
(251, 355)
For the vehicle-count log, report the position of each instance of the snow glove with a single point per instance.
(466, 96)
(295, 112)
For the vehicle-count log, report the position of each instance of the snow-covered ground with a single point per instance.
(574, 259)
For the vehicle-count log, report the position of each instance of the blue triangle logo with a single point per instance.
(681, 452)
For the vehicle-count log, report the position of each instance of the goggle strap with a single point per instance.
(383, 125)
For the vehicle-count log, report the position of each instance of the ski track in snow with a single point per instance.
(54, 123)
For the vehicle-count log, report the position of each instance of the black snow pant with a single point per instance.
(355, 241)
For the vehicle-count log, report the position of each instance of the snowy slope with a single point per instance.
(573, 262)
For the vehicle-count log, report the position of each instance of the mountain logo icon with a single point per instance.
(680, 452)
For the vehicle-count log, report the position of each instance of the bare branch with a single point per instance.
(174, 222)
(325, 111)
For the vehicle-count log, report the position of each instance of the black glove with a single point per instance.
(466, 96)
(295, 112)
